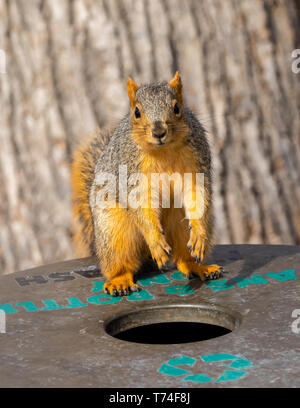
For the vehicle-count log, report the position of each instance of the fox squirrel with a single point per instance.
(159, 135)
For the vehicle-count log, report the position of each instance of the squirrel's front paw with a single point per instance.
(160, 252)
(197, 244)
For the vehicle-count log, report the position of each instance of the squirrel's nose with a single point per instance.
(159, 130)
(159, 135)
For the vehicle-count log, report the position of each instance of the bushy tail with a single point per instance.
(82, 176)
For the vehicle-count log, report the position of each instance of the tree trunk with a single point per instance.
(67, 63)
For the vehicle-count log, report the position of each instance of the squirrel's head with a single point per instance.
(157, 116)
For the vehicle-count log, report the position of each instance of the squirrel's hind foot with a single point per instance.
(205, 272)
(121, 285)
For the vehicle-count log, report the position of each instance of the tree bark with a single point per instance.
(67, 63)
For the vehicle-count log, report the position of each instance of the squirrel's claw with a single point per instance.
(135, 288)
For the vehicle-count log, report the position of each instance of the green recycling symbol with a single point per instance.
(233, 371)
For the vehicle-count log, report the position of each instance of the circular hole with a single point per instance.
(172, 333)
(173, 324)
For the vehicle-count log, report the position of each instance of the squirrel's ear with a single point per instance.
(132, 87)
(176, 84)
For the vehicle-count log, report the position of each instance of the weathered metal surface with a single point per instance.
(55, 333)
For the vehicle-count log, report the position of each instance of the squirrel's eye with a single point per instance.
(176, 109)
(137, 113)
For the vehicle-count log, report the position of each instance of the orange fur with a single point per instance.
(176, 84)
(81, 211)
(82, 175)
(173, 220)
(132, 87)
(125, 240)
